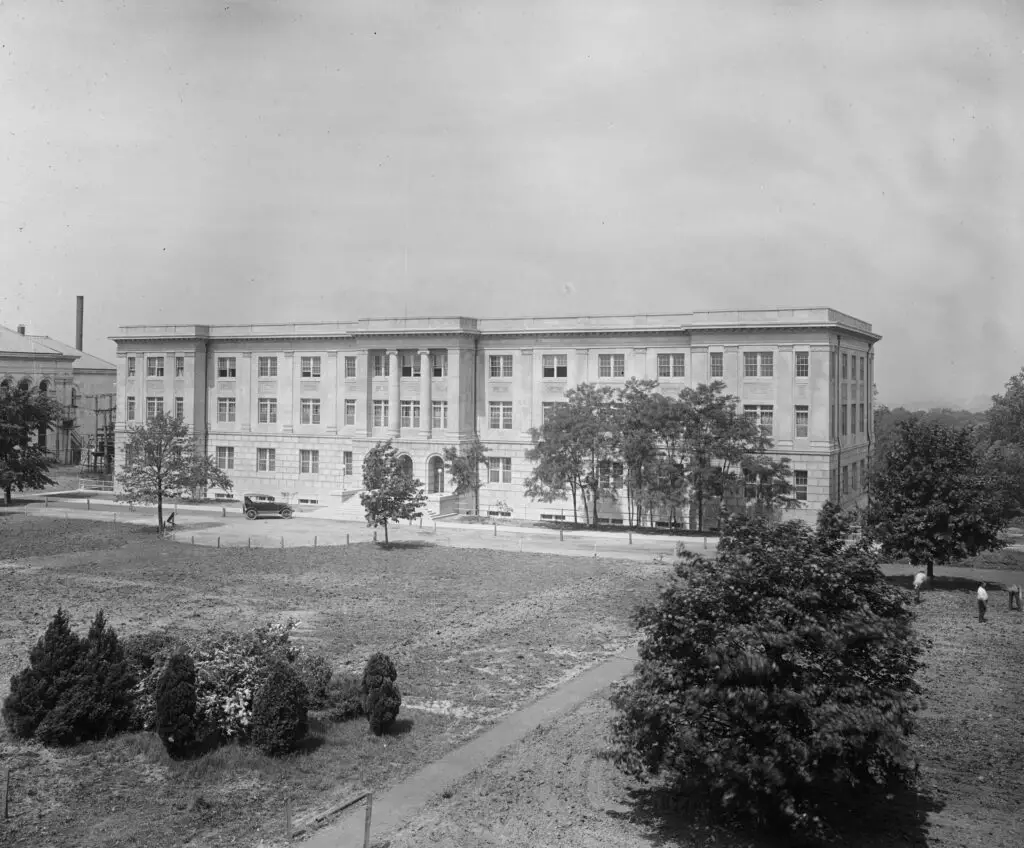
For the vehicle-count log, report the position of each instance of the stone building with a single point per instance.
(291, 409)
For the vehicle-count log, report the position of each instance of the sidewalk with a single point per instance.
(401, 802)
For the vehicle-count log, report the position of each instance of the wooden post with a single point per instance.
(421, 522)
(346, 539)
(495, 528)
(218, 541)
(369, 813)
(561, 535)
(282, 543)
(115, 518)
(223, 512)
(314, 541)
(46, 503)
(7, 795)
(520, 544)
(288, 819)
(248, 542)
(88, 504)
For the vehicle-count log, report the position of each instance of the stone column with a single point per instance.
(425, 375)
(332, 406)
(287, 396)
(523, 394)
(394, 395)
(246, 396)
(453, 392)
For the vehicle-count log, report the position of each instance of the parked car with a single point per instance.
(254, 505)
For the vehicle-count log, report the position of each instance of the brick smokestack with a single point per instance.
(78, 322)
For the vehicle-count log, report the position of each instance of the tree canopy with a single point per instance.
(390, 493)
(24, 413)
(162, 462)
(463, 466)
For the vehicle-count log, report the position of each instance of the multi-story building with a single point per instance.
(291, 409)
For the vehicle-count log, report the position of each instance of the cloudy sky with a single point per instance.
(218, 161)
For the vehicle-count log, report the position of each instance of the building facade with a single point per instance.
(291, 409)
(81, 382)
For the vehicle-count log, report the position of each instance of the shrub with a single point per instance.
(37, 689)
(176, 705)
(771, 677)
(381, 696)
(279, 711)
(345, 697)
(315, 672)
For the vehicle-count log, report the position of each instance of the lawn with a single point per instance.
(559, 787)
(474, 634)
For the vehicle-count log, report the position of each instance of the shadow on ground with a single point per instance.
(877, 819)
(946, 583)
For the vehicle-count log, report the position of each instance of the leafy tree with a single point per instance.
(176, 723)
(463, 465)
(1005, 418)
(390, 492)
(1001, 440)
(558, 462)
(162, 462)
(774, 678)
(381, 695)
(639, 413)
(23, 414)
(933, 497)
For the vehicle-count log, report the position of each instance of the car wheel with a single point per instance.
(251, 514)
(286, 513)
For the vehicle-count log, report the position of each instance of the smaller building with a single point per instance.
(84, 384)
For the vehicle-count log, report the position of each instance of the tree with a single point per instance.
(558, 462)
(162, 462)
(176, 705)
(1001, 439)
(464, 468)
(933, 497)
(639, 415)
(390, 493)
(23, 414)
(774, 678)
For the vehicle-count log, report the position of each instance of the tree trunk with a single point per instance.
(476, 503)
(160, 511)
(931, 570)
(7, 495)
(387, 544)
(575, 516)
(700, 507)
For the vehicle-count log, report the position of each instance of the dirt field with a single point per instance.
(473, 633)
(559, 788)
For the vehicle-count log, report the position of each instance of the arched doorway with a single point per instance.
(405, 464)
(435, 475)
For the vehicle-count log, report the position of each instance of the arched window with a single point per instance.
(405, 463)
(435, 475)
(24, 384)
(44, 386)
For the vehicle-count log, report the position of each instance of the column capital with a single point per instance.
(392, 351)
(423, 352)
(246, 354)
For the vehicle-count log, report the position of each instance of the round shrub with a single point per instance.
(378, 669)
(176, 705)
(382, 705)
(280, 711)
(775, 678)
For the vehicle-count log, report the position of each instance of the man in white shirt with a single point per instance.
(982, 602)
(919, 580)
(1014, 597)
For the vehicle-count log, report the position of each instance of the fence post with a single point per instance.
(631, 537)
(248, 542)
(346, 540)
(223, 512)
(561, 535)
(282, 543)
(193, 540)
(46, 503)
(218, 541)
(115, 518)
(421, 522)
(314, 541)
(369, 813)
(495, 528)
(288, 819)
(88, 504)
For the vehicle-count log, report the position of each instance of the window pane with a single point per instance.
(767, 365)
(749, 364)
(802, 363)
(717, 365)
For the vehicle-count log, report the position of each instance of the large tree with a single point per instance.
(162, 462)
(24, 413)
(390, 492)
(463, 466)
(934, 498)
(640, 413)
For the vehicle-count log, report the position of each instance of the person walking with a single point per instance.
(982, 602)
(919, 580)
(1015, 597)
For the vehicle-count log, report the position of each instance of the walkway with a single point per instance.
(401, 802)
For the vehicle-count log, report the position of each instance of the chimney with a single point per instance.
(21, 329)
(78, 322)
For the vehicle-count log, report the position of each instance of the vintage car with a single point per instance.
(255, 504)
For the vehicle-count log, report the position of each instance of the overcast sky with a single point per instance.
(217, 161)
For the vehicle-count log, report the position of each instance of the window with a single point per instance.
(800, 485)
(154, 366)
(439, 364)
(853, 419)
(671, 364)
(350, 412)
(862, 369)
(131, 408)
(439, 414)
(853, 475)
(310, 367)
(346, 462)
(131, 366)
(309, 411)
(864, 473)
(802, 421)
(760, 364)
(803, 364)
(266, 459)
(846, 479)
(547, 410)
(179, 407)
(267, 411)
(179, 366)
(309, 462)
(74, 395)
(268, 366)
(763, 416)
(225, 410)
(500, 414)
(610, 474)
(226, 367)
(410, 365)
(154, 407)
(499, 469)
(611, 365)
(350, 367)
(501, 366)
(225, 458)
(845, 358)
(717, 365)
(842, 422)
(381, 365)
(556, 365)
(380, 413)
(410, 413)
(309, 500)
(863, 417)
